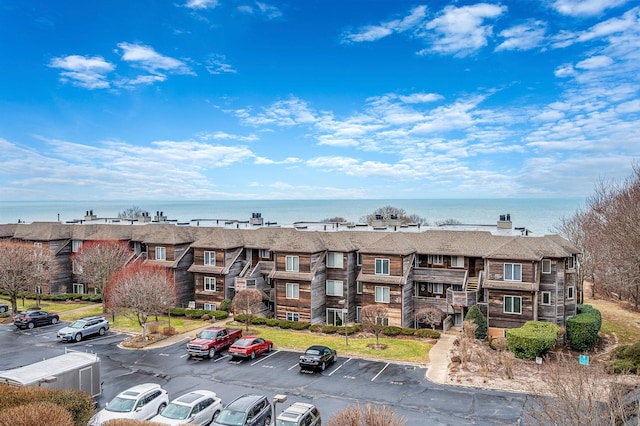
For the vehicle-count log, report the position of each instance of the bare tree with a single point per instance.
(97, 262)
(247, 302)
(373, 318)
(575, 395)
(430, 315)
(142, 290)
(367, 415)
(23, 266)
(388, 212)
(131, 213)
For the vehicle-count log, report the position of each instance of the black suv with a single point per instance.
(3, 308)
(30, 319)
(245, 410)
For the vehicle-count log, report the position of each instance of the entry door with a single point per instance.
(86, 380)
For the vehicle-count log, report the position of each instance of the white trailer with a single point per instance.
(72, 370)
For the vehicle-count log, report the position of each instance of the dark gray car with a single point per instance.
(3, 308)
(246, 410)
(84, 327)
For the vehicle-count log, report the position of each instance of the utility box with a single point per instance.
(72, 370)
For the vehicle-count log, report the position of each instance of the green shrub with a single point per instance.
(240, 318)
(582, 330)
(353, 329)
(258, 321)
(533, 339)
(427, 333)
(218, 315)
(316, 328)
(475, 315)
(225, 305)
(329, 329)
(408, 331)
(294, 325)
(391, 330)
(177, 312)
(272, 322)
(194, 313)
(625, 359)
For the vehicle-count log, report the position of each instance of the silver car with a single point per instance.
(199, 407)
(84, 327)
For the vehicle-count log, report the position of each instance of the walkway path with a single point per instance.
(439, 358)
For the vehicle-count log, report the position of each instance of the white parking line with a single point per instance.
(221, 358)
(380, 372)
(340, 366)
(293, 366)
(266, 357)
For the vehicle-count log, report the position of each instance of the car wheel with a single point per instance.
(323, 366)
(101, 331)
(54, 320)
(30, 325)
(161, 407)
(253, 355)
(78, 337)
(334, 359)
(267, 421)
(3, 309)
(215, 415)
(212, 353)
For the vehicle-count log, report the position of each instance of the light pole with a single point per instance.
(276, 399)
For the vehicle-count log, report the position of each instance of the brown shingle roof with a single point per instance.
(43, 231)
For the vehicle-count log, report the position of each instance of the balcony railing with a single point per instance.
(462, 298)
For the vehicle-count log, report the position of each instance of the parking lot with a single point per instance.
(403, 387)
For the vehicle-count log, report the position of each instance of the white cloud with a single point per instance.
(84, 71)
(227, 136)
(595, 62)
(290, 112)
(201, 4)
(629, 20)
(216, 64)
(376, 32)
(523, 37)
(260, 8)
(151, 61)
(585, 7)
(461, 30)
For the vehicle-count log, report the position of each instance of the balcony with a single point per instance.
(462, 298)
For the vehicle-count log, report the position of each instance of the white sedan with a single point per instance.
(140, 402)
(199, 407)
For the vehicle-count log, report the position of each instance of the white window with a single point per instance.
(293, 263)
(359, 287)
(75, 245)
(382, 321)
(78, 288)
(334, 288)
(210, 258)
(209, 283)
(37, 245)
(512, 304)
(335, 317)
(293, 291)
(546, 298)
(435, 259)
(334, 260)
(437, 288)
(382, 266)
(161, 253)
(359, 259)
(457, 261)
(513, 272)
(571, 262)
(382, 294)
(571, 290)
(293, 316)
(546, 266)
(264, 254)
(209, 306)
(358, 313)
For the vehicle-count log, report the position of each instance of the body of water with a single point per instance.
(536, 214)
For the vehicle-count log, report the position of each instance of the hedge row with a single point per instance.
(582, 330)
(389, 331)
(63, 297)
(533, 339)
(198, 313)
(79, 404)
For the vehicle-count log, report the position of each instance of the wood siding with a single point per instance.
(498, 318)
(301, 306)
(495, 270)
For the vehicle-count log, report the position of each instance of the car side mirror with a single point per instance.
(138, 408)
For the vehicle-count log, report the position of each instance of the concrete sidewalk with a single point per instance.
(439, 358)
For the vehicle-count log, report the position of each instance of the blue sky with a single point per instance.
(313, 99)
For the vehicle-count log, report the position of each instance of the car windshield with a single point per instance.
(313, 352)
(285, 423)
(121, 405)
(176, 411)
(243, 342)
(231, 418)
(205, 334)
(77, 324)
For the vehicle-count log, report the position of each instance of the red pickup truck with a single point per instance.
(211, 340)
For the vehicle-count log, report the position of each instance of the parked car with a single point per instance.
(249, 347)
(300, 414)
(245, 410)
(199, 407)
(140, 402)
(3, 308)
(35, 318)
(84, 327)
(212, 340)
(317, 356)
